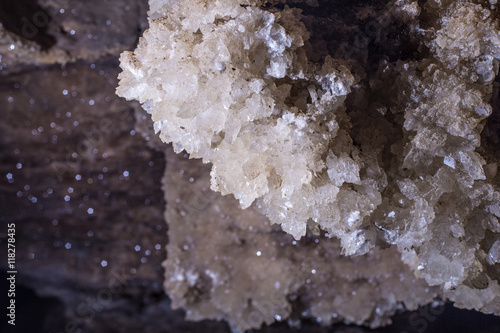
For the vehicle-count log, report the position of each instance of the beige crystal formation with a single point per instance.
(372, 135)
(230, 264)
(230, 83)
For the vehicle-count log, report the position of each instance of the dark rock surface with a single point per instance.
(83, 188)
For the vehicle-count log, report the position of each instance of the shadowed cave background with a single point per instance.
(84, 188)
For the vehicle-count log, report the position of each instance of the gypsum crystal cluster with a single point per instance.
(374, 149)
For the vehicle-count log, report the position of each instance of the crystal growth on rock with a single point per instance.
(375, 137)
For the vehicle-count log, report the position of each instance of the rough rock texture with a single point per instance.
(372, 136)
(228, 263)
(61, 31)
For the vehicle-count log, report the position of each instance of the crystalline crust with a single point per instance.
(316, 135)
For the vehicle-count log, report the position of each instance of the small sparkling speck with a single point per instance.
(61, 10)
(104, 263)
(19, 166)
(70, 190)
(67, 198)
(67, 246)
(9, 176)
(137, 248)
(78, 177)
(313, 271)
(147, 252)
(90, 211)
(91, 102)
(144, 260)
(72, 32)
(259, 253)
(125, 173)
(191, 179)
(157, 246)
(65, 92)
